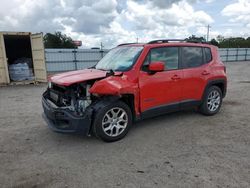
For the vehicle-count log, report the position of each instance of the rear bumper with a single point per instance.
(65, 121)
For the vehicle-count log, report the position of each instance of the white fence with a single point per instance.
(234, 54)
(59, 60)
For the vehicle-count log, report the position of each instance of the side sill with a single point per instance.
(165, 109)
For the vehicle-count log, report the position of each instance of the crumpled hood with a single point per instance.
(72, 77)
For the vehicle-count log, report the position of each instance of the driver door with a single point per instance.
(160, 92)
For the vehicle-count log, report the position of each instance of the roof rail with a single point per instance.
(166, 41)
(127, 43)
(175, 40)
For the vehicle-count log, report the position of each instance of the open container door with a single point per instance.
(4, 73)
(38, 57)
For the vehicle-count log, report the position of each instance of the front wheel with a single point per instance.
(212, 101)
(112, 122)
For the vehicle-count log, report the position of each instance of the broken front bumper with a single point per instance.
(65, 121)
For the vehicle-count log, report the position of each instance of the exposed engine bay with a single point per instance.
(76, 97)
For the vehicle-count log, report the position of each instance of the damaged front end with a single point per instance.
(67, 108)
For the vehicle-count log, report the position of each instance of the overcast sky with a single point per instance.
(120, 21)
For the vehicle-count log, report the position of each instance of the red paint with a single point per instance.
(156, 66)
(151, 90)
(159, 88)
(117, 85)
(72, 77)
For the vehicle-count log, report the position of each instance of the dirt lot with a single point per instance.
(182, 149)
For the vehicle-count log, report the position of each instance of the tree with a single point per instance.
(58, 40)
(220, 38)
(235, 42)
(222, 42)
(214, 42)
(193, 38)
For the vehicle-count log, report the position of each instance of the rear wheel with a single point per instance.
(112, 122)
(212, 101)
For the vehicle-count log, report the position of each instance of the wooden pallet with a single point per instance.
(25, 82)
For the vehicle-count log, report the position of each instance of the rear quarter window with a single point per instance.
(208, 55)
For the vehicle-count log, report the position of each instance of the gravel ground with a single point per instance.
(183, 149)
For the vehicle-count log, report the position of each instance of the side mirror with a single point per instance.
(157, 66)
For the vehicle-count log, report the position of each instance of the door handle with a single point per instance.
(175, 77)
(205, 73)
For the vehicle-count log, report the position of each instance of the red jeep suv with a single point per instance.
(133, 82)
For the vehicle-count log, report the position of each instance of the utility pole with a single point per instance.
(208, 30)
(101, 50)
(101, 46)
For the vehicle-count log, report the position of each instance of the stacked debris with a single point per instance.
(21, 70)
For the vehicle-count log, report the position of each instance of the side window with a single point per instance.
(168, 55)
(192, 57)
(208, 55)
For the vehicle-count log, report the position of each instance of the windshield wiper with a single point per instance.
(110, 73)
(93, 67)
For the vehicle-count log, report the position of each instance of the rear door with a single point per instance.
(160, 92)
(4, 73)
(37, 47)
(195, 73)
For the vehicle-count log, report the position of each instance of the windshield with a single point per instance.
(120, 58)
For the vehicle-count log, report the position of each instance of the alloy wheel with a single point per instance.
(214, 100)
(115, 122)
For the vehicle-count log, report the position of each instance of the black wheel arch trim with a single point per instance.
(215, 82)
(99, 104)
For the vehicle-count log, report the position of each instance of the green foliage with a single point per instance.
(220, 38)
(193, 38)
(58, 40)
(235, 42)
(214, 42)
(222, 42)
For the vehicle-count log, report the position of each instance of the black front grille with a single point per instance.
(60, 95)
(58, 88)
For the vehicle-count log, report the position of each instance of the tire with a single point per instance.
(112, 122)
(212, 101)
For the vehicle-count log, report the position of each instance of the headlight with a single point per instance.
(49, 85)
